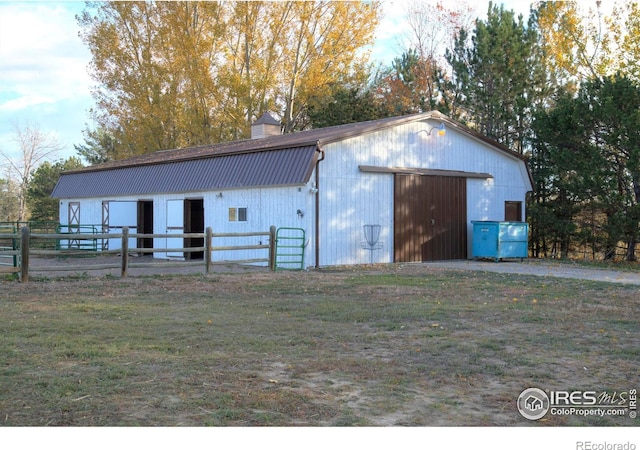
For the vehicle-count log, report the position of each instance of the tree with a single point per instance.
(154, 63)
(623, 40)
(346, 105)
(593, 146)
(432, 28)
(34, 147)
(99, 146)
(615, 102)
(8, 201)
(573, 42)
(177, 74)
(558, 150)
(453, 87)
(43, 181)
(321, 50)
(410, 85)
(496, 77)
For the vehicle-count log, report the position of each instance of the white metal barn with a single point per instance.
(393, 190)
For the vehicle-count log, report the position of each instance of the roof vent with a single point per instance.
(265, 126)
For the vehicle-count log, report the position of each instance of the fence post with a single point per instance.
(272, 248)
(125, 251)
(208, 248)
(14, 247)
(24, 248)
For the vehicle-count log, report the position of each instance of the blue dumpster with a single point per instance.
(499, 240)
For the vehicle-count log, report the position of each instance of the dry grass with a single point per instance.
(391, 345)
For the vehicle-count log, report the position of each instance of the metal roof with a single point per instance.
(270, 161)
(266, 119)
(283, 167)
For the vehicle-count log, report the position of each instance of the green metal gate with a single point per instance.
(77, 244)
(290, 244)
(8, 244)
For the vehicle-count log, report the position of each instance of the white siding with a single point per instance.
(351, 198)
(265, 207)
(90, 211)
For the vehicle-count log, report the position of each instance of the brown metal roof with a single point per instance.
(278, 160)
(282, 167)
(302, 138)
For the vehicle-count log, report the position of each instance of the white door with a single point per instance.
(72, 227)
(122, 214)
(175, 225)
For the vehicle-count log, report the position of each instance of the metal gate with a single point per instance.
(9, 244)
(290, 244)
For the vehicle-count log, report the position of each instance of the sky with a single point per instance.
(44, 79)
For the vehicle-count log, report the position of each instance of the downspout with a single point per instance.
(317, 181)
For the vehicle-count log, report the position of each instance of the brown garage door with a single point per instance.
(430, 218)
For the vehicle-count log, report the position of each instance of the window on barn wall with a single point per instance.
(512, 211)
(237, 214)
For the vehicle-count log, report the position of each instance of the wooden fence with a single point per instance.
(25, 249)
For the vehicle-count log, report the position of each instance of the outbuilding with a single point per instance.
(400, 189)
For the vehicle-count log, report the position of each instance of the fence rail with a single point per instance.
(24, 249)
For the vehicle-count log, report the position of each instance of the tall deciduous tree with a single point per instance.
(623, 41)
(176, 74)
(573, 40)
(432, 29)
(322, 49)
(153, 62)
(34, 147)
(8, 200)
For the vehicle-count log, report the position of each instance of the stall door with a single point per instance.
(121, 214)
(430, 221)
(73, 227)
(194, 223)
(175, 225)
(145, 223)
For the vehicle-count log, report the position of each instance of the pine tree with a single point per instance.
(592, 141)
(494, 77)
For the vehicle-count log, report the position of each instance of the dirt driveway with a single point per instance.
(544, 268)
(536, 267)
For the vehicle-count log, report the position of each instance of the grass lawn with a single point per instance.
(396, 345)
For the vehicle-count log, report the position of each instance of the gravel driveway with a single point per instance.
(544, 268)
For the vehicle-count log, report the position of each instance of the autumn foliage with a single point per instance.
(178, 74)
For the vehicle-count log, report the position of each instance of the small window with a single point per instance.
(237, 214)
(513, 211)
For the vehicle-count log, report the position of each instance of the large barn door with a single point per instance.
(430, 218)
(175, 225)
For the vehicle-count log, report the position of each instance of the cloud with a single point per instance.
(387, 36)
(41, 56)
(43, 69)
